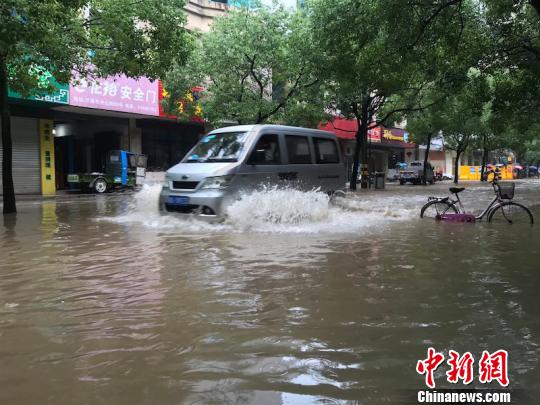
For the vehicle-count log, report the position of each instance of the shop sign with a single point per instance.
(374, 134)
(393, 135)
(116, 93)
(60, 94)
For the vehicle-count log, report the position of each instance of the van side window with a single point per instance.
(326, 150)
(266, 151)
(298, 149)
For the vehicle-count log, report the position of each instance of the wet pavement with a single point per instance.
(102, 300)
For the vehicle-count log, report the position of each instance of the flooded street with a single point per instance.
(102, 300)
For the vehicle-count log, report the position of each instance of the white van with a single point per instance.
(241, 158)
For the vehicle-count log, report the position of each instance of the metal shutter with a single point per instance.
(26, 163)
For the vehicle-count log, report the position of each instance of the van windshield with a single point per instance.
(224, 147)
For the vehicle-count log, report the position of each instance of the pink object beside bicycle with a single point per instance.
(457, 218)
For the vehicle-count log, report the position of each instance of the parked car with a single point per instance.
(415, 173)
(234, 159)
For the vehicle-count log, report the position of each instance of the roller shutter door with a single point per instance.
(26, 163)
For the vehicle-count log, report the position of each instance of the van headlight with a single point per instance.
(167, 182)
(218, 182)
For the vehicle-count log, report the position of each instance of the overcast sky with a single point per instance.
(291, 3)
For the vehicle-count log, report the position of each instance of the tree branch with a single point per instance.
(536, 5)
(291, 92)
(434, 15)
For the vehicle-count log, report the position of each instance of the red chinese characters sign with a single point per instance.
(116, 93)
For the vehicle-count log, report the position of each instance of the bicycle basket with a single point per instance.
(506, 190)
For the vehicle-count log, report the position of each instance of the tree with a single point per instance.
(488, 139)
(91, 37)
(462, 115)
(532, 153)
(424, 126)
(377, 68)
(513, 60)
(256, 66)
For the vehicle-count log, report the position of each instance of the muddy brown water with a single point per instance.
(103, 301)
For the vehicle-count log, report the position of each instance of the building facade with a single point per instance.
(201, 13)
(72, 129)
(386, 146)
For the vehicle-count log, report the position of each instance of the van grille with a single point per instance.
(184, 185)
(184, 209)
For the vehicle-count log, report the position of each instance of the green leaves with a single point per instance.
(256, 67)
(115, 36)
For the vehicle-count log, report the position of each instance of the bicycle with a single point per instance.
(500, 209)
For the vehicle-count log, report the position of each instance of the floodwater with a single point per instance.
(103, 301)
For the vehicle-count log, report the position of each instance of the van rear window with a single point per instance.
(298, 149)
(326, 150)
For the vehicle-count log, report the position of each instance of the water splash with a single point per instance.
(273, 205)
(279, 210)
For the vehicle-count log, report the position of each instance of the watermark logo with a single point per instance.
(491, 367)
(429, 365)
(461, 368)
(494, 367)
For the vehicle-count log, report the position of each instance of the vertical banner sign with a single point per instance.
(46, 147)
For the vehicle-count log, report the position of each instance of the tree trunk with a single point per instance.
(426, 158)
(364, 183)
(484, 159)
(7, 169)
(456, 166)
(365, 120)
(356, 163)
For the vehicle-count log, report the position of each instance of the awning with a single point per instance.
(346, 129)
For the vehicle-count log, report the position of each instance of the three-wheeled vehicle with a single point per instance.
(122, 170)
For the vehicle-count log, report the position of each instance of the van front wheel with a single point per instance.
(335, 195)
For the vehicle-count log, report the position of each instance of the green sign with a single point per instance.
(60, 94)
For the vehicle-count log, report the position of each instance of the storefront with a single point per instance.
(118, 113)
(83, 141)
(395, 142)
(73, 129)
(166, 142)
(26, 156)
(32, 137)
(386, 146)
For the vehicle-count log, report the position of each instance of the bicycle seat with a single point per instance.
(456, 190)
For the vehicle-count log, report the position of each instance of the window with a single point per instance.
(220, 147)
(326, 150)
(298, 149)
(266, 151)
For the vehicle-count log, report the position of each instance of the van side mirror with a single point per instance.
(257, 156)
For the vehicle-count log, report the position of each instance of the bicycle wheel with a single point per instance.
(511, 213)
(435, 208)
